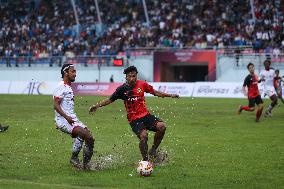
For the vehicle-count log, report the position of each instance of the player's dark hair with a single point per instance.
(65, 68)
(277, 70)
(130, 69)
(267, 61)
(249, 64)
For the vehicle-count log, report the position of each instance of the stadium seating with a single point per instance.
(42, 28)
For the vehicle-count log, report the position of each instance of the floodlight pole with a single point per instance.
(76, 17)
(98, 11)
(252, 10)
(146, 12)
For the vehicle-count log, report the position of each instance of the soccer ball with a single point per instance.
(145, 168)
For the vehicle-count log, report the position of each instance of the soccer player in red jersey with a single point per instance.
(251, 82)
(278, 85)
(139, 118)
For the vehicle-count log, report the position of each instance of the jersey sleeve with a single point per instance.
(148, 88)
(246, 81)
(274, 74)
(59, 92)
(117, 94)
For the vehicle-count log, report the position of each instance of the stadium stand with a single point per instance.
(48, 29)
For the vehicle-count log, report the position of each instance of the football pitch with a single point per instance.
(207, 143)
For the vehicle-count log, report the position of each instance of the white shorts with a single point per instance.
(269, 91)
(65, 127)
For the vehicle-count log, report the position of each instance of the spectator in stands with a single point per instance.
(111, 79)
(48, 27)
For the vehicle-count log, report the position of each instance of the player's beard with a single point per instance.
(72, 79)
(132, 83)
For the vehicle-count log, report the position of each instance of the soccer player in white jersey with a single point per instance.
(268, 76)
(67, 121)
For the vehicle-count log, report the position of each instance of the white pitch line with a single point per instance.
(45, 184)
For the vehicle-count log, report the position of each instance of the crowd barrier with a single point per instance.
(195, 89)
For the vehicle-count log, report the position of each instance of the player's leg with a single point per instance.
(86, 135)
(143, 144)
(159, 135)
(273, 103)
(156, 125)
(280, 95)
(139, 128)
(79, 131)
(259, 112)
(245, 108)
(77, 146)
(259, 103)
(249, 108)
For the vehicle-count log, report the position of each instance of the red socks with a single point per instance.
(246, 108)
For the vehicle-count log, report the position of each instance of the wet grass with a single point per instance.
(208, 145)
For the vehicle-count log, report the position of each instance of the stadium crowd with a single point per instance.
(42, 28)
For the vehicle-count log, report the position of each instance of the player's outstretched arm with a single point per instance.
(94, 107)
(244, 91)
(58, 108)
(161, 94)
(262, 79)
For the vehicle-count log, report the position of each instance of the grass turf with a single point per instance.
(208, 144)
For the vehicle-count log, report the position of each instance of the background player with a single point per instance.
(3, 127)
(267, 77)
(278, 85)
(67, 121)
(252, 92)
(140, 120)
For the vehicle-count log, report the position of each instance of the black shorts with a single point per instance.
(278, 90)
(147, 122)
(257, 100)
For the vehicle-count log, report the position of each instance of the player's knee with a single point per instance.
(161, 127)
(89, 139)
(143, 135)
(275, 101)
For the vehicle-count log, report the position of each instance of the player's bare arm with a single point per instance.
(161, 94)
(244, 91)
(262, 79)
(58, 108)
(94, 108)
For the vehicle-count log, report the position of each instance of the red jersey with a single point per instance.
(277, 83)
(251, 81)
(133, 98)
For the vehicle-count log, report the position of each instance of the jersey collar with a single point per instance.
(65, 83)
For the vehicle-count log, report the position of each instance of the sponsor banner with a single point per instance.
(218, 89)
(183, 89)
(32, 88)
(198, 89)
(100, 89)
(5, 85)
(222, 90)
(24, 87)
